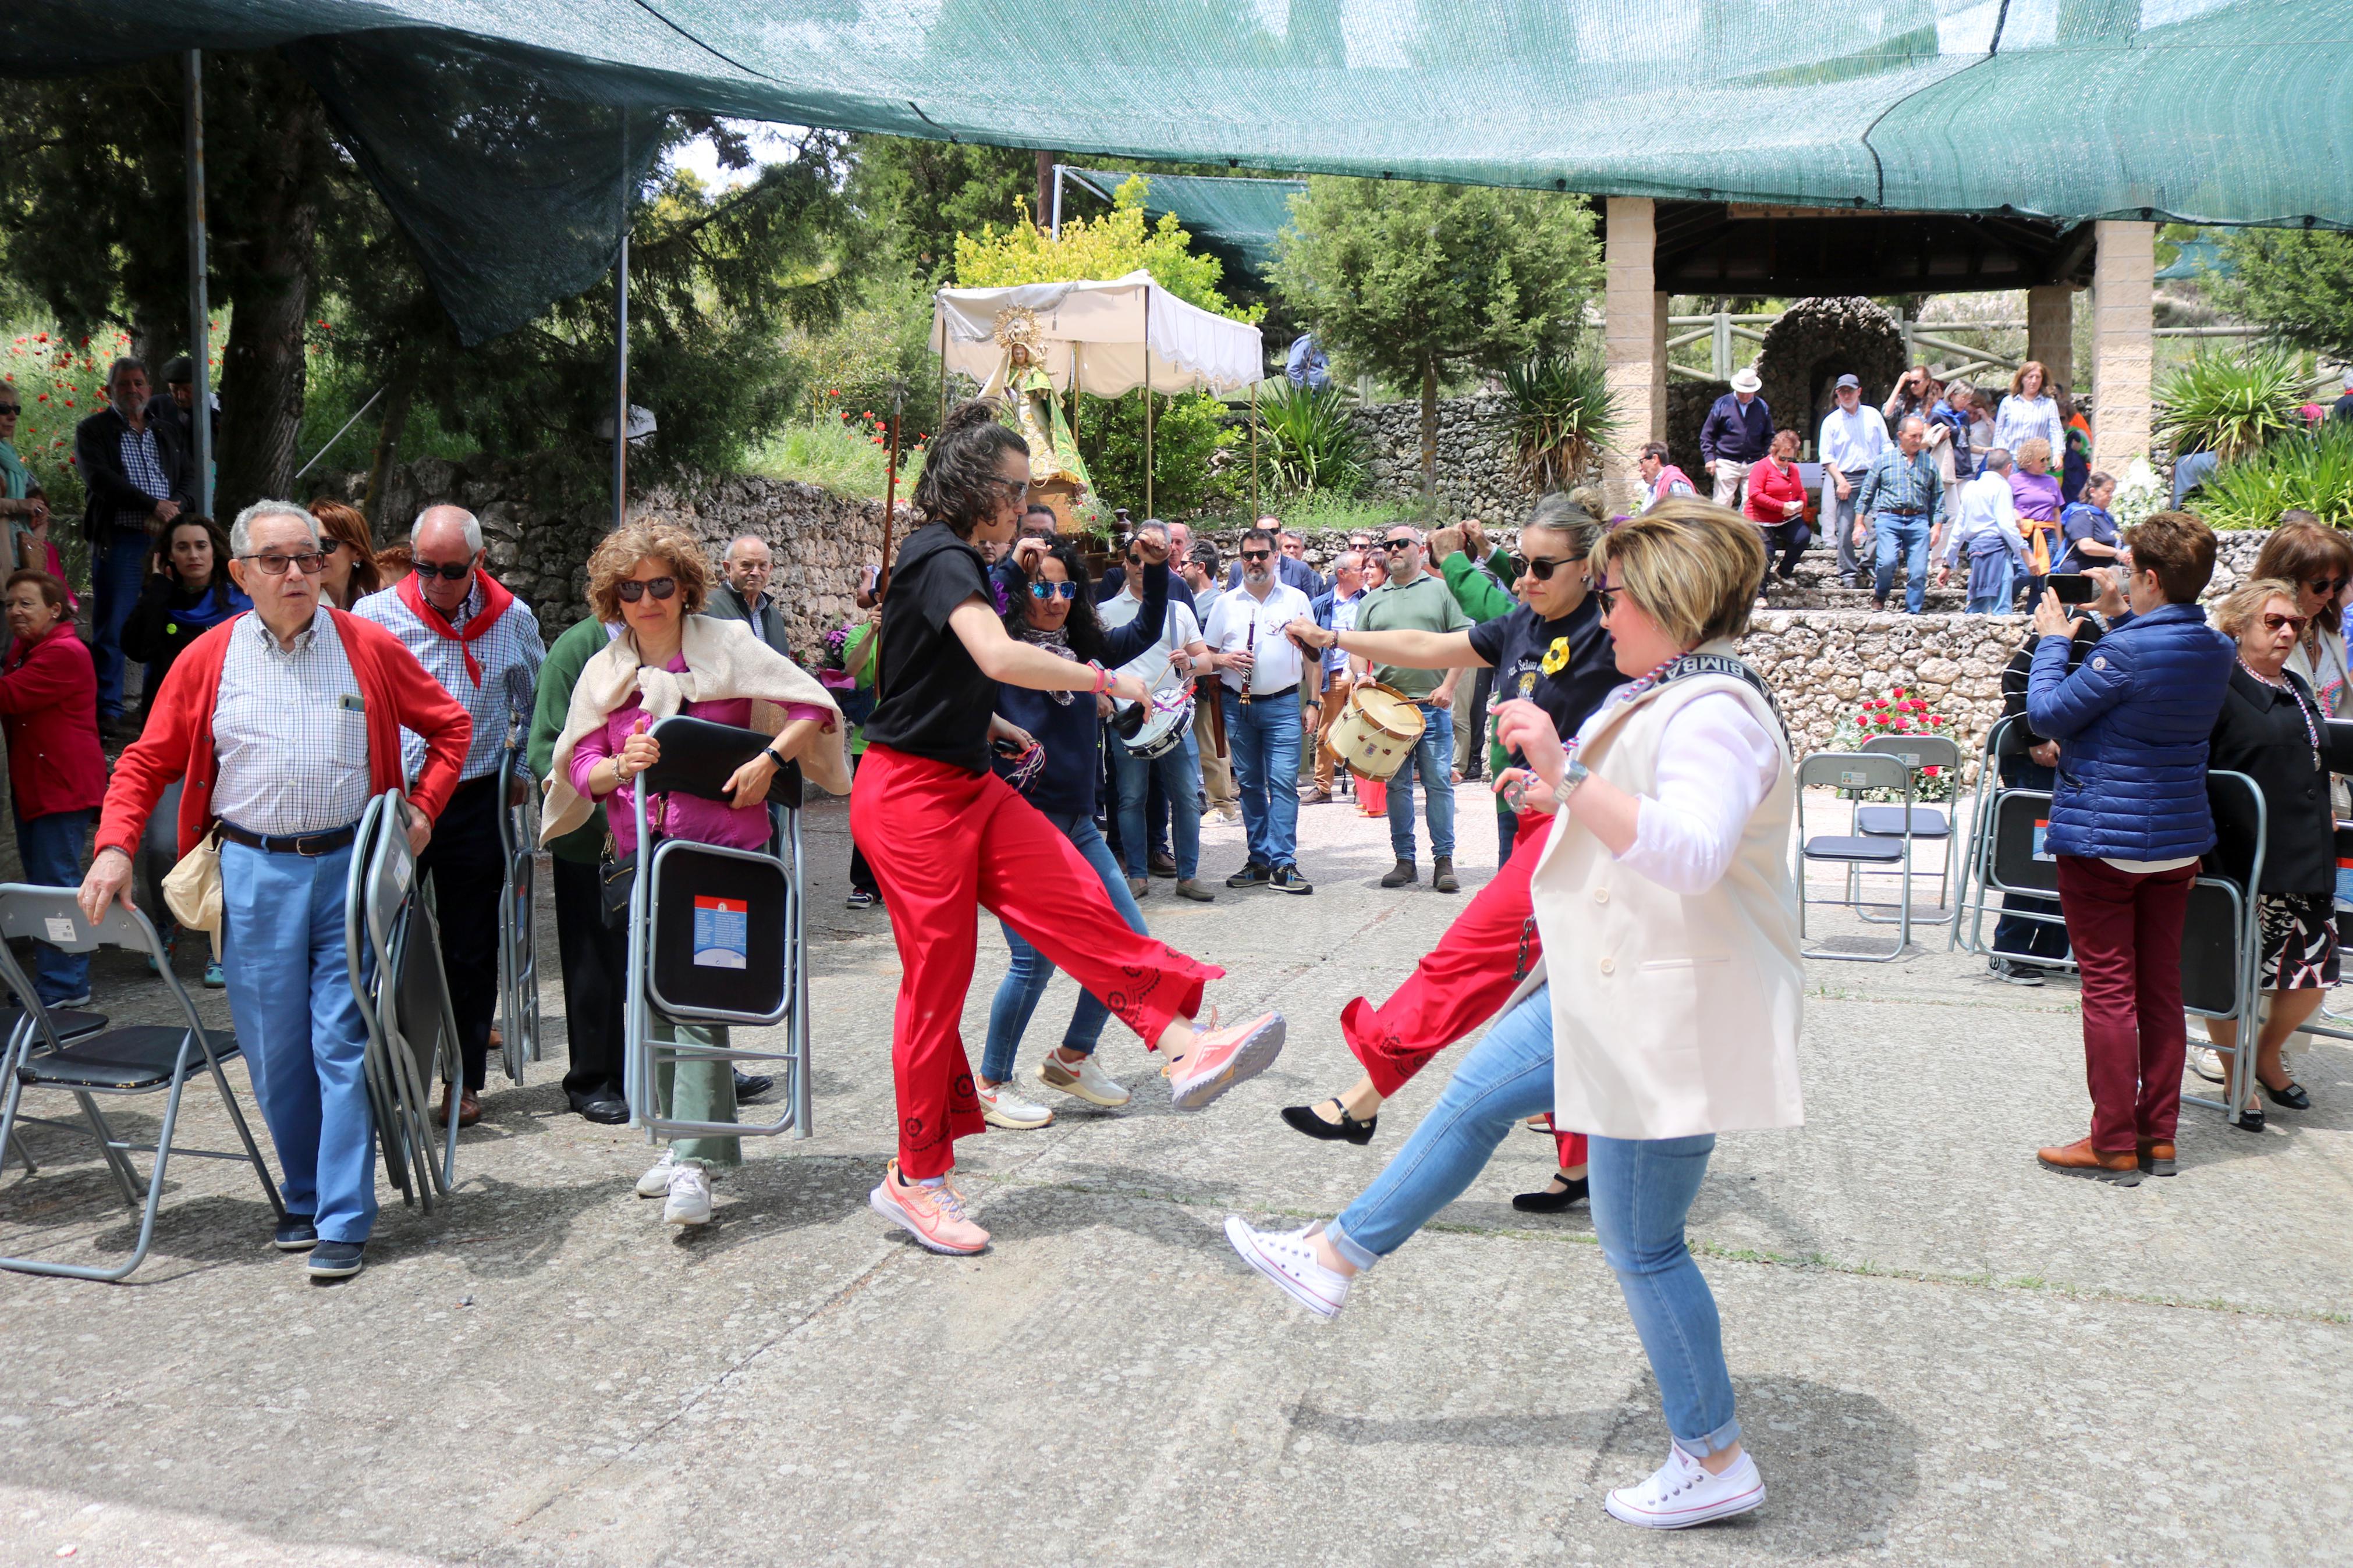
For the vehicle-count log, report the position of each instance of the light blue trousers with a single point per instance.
(290, 997)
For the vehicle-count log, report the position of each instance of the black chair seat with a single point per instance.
(1927, 822)
(139, 1056)
(70, 1024)
(1830, 847)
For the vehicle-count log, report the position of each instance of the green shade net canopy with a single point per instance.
(1243, 217)
(502, 133)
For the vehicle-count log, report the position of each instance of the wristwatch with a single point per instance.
(1576, 774)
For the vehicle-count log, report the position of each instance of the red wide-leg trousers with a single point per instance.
(1462, 982)
(944, 844)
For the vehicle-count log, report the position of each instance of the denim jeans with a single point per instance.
(1178, 784)
(117, 574)
(1641, 1192)
(50, 847)
(1433, 758)
(1026, 975)
(1263, 739)
(1507, 828)
(1909, 536)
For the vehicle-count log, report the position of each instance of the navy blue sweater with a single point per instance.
(1069, 731)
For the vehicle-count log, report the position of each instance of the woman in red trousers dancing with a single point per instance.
(1551, 651)
(946, 837)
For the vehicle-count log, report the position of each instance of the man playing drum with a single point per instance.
(1161, 745)
(1552, 651)
(1415, 600)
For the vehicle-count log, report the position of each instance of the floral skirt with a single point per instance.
(2300, 940)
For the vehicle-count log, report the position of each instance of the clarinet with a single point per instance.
(1250, 646)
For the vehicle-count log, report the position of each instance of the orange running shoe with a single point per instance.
(933, 1216)
(1224, 1058)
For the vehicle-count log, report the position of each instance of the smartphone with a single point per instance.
(2074, 587)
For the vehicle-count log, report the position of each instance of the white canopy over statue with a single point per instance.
(1109, 334)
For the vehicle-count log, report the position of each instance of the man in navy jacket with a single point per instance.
(1737, 433)
(2128, 824)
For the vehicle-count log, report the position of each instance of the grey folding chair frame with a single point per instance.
(1979, 868)
(644, 1054)
(385, 929)
(1859, 770)
(1918, 751)
(519, 1019)
(51, 914)
(2246, 1004)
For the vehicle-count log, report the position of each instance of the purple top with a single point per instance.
(2036, 496)
(678, 815)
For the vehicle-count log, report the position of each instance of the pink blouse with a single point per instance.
(678, 815)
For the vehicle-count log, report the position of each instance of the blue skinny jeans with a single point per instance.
(1026, 977)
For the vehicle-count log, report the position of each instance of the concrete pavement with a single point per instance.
(1942, 1353)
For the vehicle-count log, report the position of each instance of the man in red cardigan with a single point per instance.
(283, 723)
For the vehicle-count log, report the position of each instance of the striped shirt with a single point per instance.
(290, 732)
(1896, 483)
(514, 641)
(143, 465)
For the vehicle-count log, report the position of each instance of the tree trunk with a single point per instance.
(262, 367)
(1429, 434)
(401, 394)
(1044, 213)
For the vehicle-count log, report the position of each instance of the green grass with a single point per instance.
(1320, 512)
(828, 452)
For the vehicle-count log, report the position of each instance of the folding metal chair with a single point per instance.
(716, 934)
(2221, 940)
(394, 953)
(2007, 824)
(518, 1029)
(1927, 822)
(1858, 852)
(137, 1059)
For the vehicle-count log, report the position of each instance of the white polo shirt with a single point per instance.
(1240, 623)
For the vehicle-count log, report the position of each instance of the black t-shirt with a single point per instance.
(933, 700)
(1585, 668)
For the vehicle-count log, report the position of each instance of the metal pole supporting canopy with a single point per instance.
(199, 303)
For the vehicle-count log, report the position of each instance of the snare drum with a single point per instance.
(1167, 719)
(1380, 726)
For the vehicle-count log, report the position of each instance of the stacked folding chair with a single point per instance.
(519, 1028)
(394, 952)
(2221, 938)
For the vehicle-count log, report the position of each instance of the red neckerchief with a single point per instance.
(495, 600)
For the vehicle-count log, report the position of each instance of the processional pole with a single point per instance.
(621, 344)
(199, 303)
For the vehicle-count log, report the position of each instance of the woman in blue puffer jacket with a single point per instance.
(2128, 823)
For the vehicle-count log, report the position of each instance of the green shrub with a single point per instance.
(1188, 433)
(1309, 439)
(2230, 404)
(1563, 414)
(2313, 472)
(841, 454)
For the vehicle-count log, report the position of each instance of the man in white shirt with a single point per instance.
(1166, 667)
(1249, 651)
(1853, 435)
(1986, 527)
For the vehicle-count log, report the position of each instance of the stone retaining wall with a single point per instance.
(1477, 472)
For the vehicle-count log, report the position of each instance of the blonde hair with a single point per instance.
(649, 538)
(1693, 567)
(2033, 450)
(2240, 607)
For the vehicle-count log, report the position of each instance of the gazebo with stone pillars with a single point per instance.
(1656, 249)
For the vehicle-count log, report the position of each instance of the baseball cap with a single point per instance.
(1850, 381)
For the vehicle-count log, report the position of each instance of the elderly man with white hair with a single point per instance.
(468, 632)
(742, 594)
(279, 725)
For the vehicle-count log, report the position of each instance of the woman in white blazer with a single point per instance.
(1667, 1007)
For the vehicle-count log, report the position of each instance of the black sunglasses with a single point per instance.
(1396, 544)
(455, 571)
(1258, 554)
(2328, 588)
(11, 408)
(1606, 591)
(633, 589)
(1541, 567)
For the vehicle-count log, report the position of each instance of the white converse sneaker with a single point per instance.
(1084, 1078)
(655, 1182)
(689, 1196)
(1000, 1107)
(1287, 1259)
(1682, 1493)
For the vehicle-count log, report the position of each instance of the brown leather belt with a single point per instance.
(309, 844)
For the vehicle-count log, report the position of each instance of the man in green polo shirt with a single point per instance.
(1415, 599)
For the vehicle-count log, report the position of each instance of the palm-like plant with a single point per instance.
(1311, 439)
(2313, 472)
(2230, 405)
(1563, 415)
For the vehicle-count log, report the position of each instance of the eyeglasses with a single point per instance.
(633, 589)
(2328, 588)
(1394, 545)
(454, 571)
(8, 408)
(1542, 567)
(331, 545)
(310, 564)
(2294, 623)
(1015, 489)
(1258, 554)
(1606, 591)
(1053, 590)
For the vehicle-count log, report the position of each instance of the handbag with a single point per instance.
(192, 889)
(616, 879)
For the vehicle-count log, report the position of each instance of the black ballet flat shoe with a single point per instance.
(1303, 1118)
(2251, 1119)
(1550, 1202)
(2292, 1096)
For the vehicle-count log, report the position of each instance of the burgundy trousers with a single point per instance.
(2126, 931)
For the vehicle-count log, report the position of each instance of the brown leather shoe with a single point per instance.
(2080, 1159)
(469, 1108)
(2155, 1156)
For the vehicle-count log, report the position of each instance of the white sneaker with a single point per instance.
(1082, 1079)
(1287, 1259)
(1000, 1107)
(689, 1196)
(1682, 1493)
(655, 1182)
